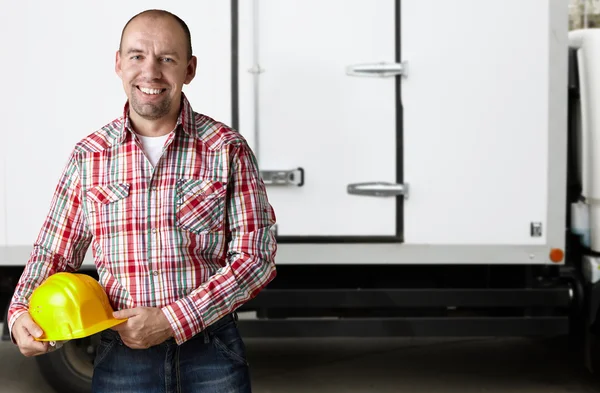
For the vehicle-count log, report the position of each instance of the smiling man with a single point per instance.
(173, 206)
(154, 61)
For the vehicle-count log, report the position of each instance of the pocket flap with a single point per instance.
(202, 189)
(108, 193)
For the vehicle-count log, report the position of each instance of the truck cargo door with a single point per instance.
(318, 99)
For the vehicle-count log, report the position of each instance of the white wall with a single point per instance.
(60, 86)
(3, 209)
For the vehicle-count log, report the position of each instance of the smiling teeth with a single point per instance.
(150, 91)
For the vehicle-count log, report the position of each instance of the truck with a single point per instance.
(432, 164)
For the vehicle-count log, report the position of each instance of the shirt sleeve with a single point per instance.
(61, 244)
(250, 253)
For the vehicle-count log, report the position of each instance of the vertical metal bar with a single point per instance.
(256, 73)
(235, 63)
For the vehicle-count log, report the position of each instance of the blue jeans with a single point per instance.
(212, 361)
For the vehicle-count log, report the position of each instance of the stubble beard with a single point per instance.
(150, 111)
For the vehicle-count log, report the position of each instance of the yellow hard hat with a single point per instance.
(69, 306)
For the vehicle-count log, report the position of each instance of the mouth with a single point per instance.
(150, 92)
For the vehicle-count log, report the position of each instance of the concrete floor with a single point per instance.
(393, 365)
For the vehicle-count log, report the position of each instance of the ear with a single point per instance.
(118, 69)
(191, 70)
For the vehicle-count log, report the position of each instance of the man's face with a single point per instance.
(153, 66)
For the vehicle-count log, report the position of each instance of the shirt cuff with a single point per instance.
(184, 321)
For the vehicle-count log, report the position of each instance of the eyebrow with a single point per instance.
(170, 54)
(135, 50)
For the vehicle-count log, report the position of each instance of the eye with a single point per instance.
(136, 57)
(167, 59)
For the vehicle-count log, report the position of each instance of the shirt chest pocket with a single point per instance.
(110, 210)
(200, 205)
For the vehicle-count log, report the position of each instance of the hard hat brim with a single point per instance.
(89, 331)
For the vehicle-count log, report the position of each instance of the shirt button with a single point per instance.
(153, 230)
(155, 273)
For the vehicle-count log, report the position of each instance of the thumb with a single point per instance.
(126, 313)
(32, 328)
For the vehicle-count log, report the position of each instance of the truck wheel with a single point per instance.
(69, 369)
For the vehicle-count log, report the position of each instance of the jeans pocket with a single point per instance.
(103, 349)
(229, 343)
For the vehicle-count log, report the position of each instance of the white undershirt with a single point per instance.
(153, 146)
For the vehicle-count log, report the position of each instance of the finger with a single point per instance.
(125, 339)
(31, 327)
(126, 313)
(132, 339)
(33, 348)
(124, 326)
(24, 337)
(134, 344)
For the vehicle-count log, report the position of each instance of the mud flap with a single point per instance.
(592, 328)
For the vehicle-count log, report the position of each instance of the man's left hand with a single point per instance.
(145, 327)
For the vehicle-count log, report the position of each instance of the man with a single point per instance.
(179, 221)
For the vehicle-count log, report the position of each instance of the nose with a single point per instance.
(151, 69)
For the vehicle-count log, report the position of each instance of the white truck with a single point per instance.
(432, 164)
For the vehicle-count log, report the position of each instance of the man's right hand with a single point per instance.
(24, 330)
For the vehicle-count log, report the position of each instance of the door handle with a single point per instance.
(381, 70)
(378, 189)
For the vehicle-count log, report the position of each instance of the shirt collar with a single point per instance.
(185, 120)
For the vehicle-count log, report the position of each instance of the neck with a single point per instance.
(157, 127)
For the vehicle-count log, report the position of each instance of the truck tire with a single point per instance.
(69, 369)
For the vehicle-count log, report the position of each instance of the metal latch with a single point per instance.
(294, 177)
(382, 70)
(378, 189)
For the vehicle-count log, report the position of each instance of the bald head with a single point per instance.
(160, 14)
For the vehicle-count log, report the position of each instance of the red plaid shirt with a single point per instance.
(191, 235)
